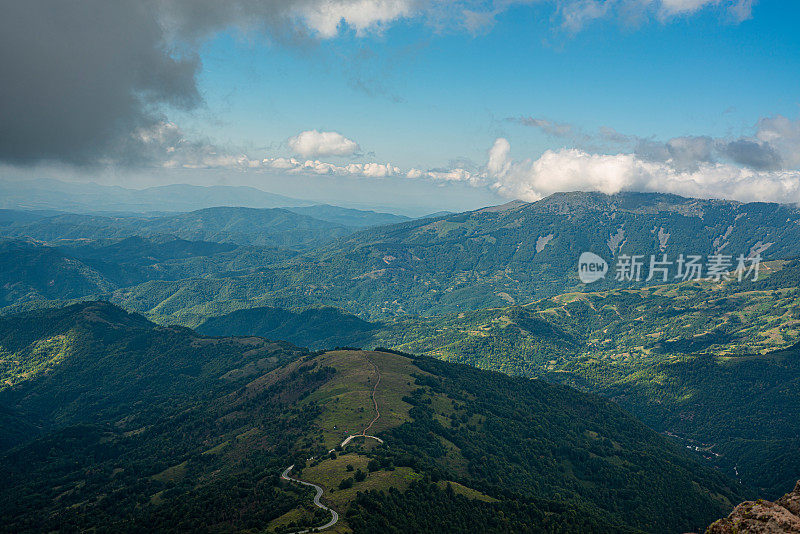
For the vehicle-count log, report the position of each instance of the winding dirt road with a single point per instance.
(317, 503)
(374, 401)
(363, 434)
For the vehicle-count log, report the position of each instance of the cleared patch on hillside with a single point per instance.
(347, 402)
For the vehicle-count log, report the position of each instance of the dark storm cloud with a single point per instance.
(91, 81)
(684, 153)
(79, 76)
(754, 154)
(195, 20)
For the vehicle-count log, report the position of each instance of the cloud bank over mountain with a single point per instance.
(760, 167)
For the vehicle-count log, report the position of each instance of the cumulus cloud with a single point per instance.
(366, 170)
(763, 166)
(577, 170)
(313, 143)
(499, 157)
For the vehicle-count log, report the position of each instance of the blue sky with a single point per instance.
(430, 97)
(417, 104)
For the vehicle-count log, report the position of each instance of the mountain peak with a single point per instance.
(89, 313)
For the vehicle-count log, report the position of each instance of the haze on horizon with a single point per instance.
(410, 104)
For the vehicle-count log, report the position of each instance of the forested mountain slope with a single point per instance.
(711, 364)
(512, 254)
(143, 426)
(274, 227)
(522, 251)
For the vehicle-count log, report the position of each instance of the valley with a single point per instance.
(453, 433)
(611, 398)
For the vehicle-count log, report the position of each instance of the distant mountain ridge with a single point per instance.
(519, 252)
(274, 227)
(45, 194)
(510, 254)
(348, 216)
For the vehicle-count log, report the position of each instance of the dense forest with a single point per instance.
(146, 427)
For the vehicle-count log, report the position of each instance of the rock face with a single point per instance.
(762, 517)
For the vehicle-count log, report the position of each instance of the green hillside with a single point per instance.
(30, 272)
(697, 361)
(711, 365)
(146, 427)
(520, 252)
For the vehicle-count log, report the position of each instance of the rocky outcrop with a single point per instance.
(762, 517)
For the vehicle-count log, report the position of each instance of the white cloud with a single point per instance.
(326, 17)
(366, 170)
(676, 7)
(740, 9)
(373, 170)
(164, 144)
(499, 160)
(281, 163)
(576, 15)
(451, 175)
(577, 170)
(313, 143)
